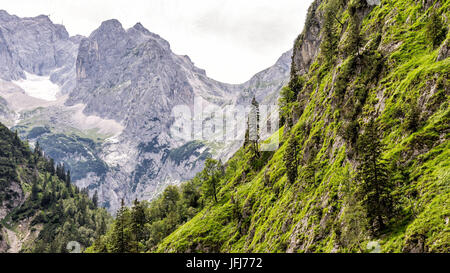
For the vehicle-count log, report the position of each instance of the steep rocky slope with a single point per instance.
(353, 63)
(37, 46)
(40, 211)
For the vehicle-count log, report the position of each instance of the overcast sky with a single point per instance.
(231, 39)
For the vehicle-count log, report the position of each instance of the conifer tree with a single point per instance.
(290, 159)
(330, 38)
(120, 236)
(138, 220)
(34, 186)
(95, 199)
(51, 166)
(354, 38)
(211, 177)
(373, 175)
(253, 127)
(68, 181)
(435, 29)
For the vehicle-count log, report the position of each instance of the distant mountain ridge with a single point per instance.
(111, 123)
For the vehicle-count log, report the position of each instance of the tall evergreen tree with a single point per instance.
(138, 220)
(211, 176)
(373, 175)
(330, 39)
(120, 237)
(435, 29)
(95, 199)
(253, 126)
(51, 166)
(34, 186)
(290, 159)
(68, 181)
(354, 39)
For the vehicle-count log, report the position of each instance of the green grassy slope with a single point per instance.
(393, 76)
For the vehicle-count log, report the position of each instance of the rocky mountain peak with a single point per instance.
(110, 26)
(36, 46)
(138, 26)
(5, 16)
(131, 80)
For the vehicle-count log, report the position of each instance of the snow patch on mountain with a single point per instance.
(39, 87)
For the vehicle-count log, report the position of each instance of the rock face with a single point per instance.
(37, 46)
(307, 44)
(132, 77)
(265, 85)
(112, 128)
(444, 51)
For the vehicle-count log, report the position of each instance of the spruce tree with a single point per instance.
(120, 236)
(138, 220)
(354, 39)
(211, 176)
(290, 159)
(435, 29)
(330, 39)
(95, 199)
(287, 96)
(51, 166)
(373, 175)
(34, 186)
(253, 126)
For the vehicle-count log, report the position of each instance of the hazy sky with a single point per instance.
(231, 39)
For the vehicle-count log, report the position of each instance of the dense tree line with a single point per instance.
(58, 210)
(144, 225)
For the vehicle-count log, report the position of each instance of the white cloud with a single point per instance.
(230, 39)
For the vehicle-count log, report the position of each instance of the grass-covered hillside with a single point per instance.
(40, 211)
(363, 163)
(365, 150)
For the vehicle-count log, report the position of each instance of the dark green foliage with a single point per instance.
(12, 152)
(374, 178)
(290, 159)
(58, 146)
(95, 199)
(330, 39)
(354, 39)
(344, 73)
(413, 118)
(57, 217)
(138, 220)
(121, 231)
(142, 227)
(210, 176)
(350, 131)
(287, 96)
(296, 84)
(435, 30)
(253, 128)
(34, 187)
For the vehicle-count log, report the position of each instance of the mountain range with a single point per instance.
(102, 104)
(358, 164)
